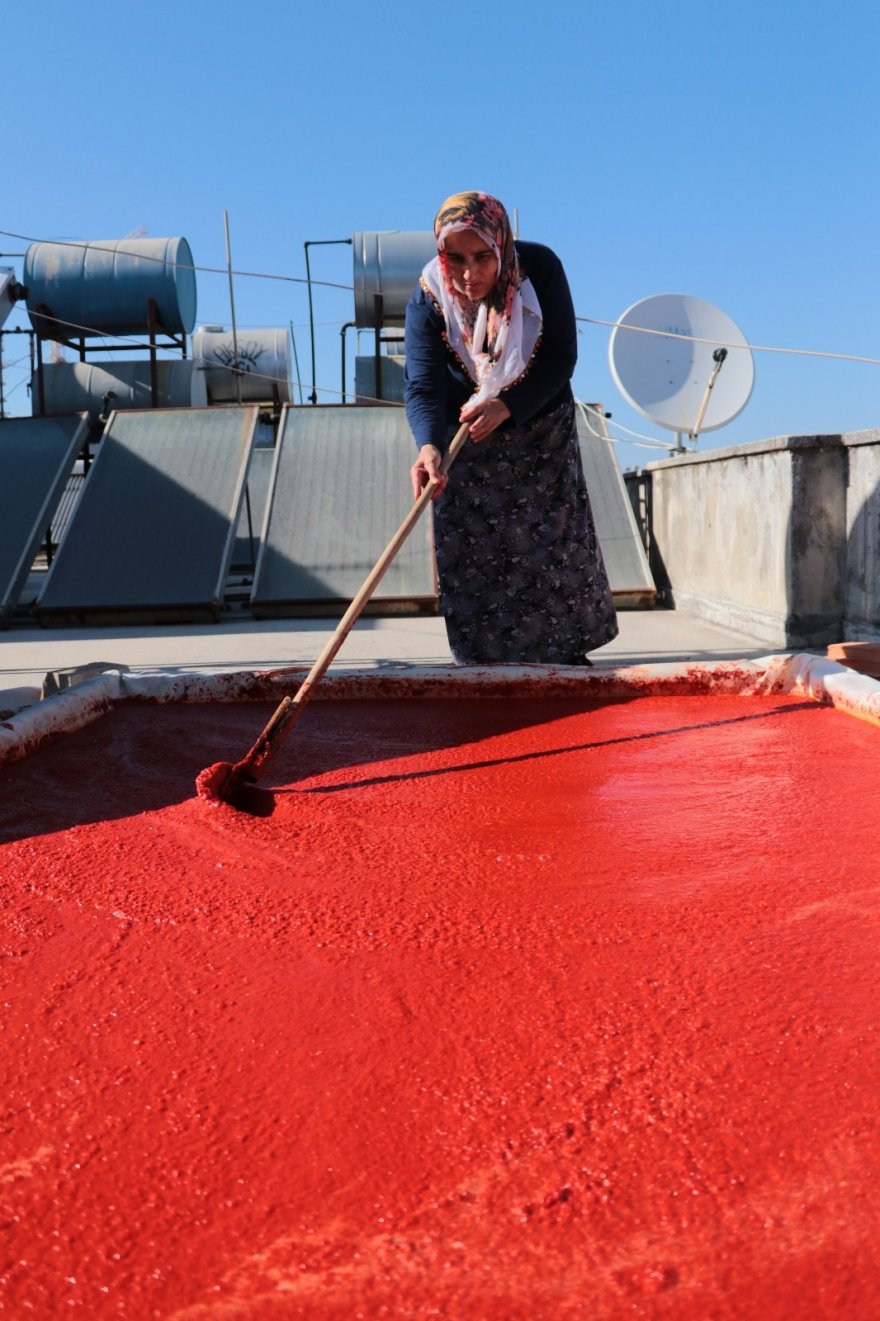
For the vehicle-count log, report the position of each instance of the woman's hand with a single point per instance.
(427, 469)
(485, 417)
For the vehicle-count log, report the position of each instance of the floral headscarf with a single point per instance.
(495, 336)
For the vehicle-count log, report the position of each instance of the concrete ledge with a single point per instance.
(773, 445)
(822, 680)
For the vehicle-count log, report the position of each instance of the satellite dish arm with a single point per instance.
(718, 358)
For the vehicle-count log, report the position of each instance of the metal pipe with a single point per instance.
(299, 383)
(378, 317)
(153, 315)
(718, 358)
(346, 325)
(313, 243)
(41, 388)
(237, 367)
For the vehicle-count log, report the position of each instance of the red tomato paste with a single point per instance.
(510, 1009)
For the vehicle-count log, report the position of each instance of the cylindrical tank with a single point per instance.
(8, 291)
(102, 287)
(388, 262)
(83, 387)
(263, 363)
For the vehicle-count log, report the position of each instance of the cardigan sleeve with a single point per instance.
(554, 362)
(425, 372)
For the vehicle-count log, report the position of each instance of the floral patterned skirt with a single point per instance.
(521, 573)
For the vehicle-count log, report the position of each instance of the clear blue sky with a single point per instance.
(723, 150)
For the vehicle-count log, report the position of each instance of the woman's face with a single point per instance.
(472, 265)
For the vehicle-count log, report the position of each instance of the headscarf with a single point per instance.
(496, 336)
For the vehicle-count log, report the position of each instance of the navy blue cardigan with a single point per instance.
(436, 384)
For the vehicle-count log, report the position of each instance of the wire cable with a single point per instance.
(333, 284)
(753, 348)
(273, 380)
(635, 438)
(643, 442)
(177, 265)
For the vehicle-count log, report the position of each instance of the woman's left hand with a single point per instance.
(485, 417)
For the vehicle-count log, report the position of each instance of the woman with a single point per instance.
(491, 340)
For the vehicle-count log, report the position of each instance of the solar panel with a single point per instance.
(153, 533)
(37, 456)
(340, 491)
(632, 583)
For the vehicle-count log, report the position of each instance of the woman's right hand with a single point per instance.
(427, 469)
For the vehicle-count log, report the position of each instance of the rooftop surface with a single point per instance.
(242, 643)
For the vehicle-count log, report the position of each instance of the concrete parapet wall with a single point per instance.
(778, 539)
(862, 598)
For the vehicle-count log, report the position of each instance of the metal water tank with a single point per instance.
(388, 262)
(391, 368)
(102, 287)
(8, 291)
(83, 387)
(261, 365)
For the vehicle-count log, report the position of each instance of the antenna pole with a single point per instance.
(718, 358)
(237, 367)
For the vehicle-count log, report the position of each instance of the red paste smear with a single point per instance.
(510, 1010)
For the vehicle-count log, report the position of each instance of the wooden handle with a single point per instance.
(291, 708)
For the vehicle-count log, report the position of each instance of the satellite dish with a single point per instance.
(679, 382)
